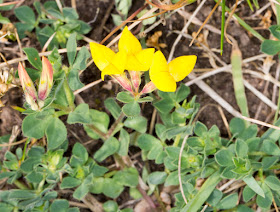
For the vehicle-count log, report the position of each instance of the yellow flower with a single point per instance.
(106, 60)
(137, 59)
(165, 76)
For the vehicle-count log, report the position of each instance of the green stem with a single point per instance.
(60, 107)
(277, 12)
(61, 113)
(177, 140)
(203, 194)
(69, 95)
(102, 135)
(20, 185)
(260, 173)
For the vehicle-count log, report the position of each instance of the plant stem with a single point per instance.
(102, 135)
(177, 140)
(112, 129)
(20, 185)
(69, 95)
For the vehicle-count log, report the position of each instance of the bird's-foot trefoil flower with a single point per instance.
(123, 81)
(148, 88)
(28, 87)
(46, 81)
(137, 59)
(36, 101)
(165, 76)
(135, 77)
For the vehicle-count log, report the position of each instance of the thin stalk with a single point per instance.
(277, 12)
(223, 25)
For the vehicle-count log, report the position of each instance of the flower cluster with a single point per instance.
(34, 99)
(135, 60)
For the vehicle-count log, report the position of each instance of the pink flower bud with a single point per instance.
(148, 88)
(28, 87)
(123, 81)
(135, 79)
(46, 80)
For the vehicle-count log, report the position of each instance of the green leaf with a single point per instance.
(81, 191)
(147, 142)
(113, 107)
(71, 47)
(215, 197)
(125, 97)
(270, 147)
(74, 79)
(275, 31)
(110, 206)
(131, 109)
(25, 14)
(145, 99)
(100, 120)
(56, 133)
(81, 115)
(22, 194)
(237, 125)
(33, 127)
(109, 147)
(164, 105)
(253, 184)
(266, 201)
(59, 205)
(127, 177)
(267, 162)
(270, 47)
(124, 143)
(200, 129)
(224, 157)
(5, 207)
(228, 202)
(244, 208)
(182, 93)
(241, 148)
(79, 155)
(157, 178)
(69, 182)
(22, 28)
(248, 193)
(81, 60)
(69, 14)
(138, 123)
(273, 183)
(34, 177)
(33, 57)
(111, 188)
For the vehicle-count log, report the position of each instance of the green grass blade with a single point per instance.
(223, 25)
(203, 193)
(250, 5)
(239, 90)
(256, 3)
(246, 26)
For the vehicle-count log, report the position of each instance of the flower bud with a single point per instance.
(28, 87)
(46, 80)
(135, 79)
(123, 81)
(148, 88)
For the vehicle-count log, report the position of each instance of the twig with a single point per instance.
(92, 203)
(87, 86)
(13, 144)
(9, 3)
(206, 20)
(146, 197)
(59, 5)
(260, 122)
(77, 204)
(179, 168)
(153, 121)
(184, 29)
(223, 187)
(19, 45)
(73, 4)
(48, 42)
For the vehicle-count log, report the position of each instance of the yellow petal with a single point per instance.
(159, 74)
(141, 61)
(180, 67)
(146, 57)
(116, 66)
(101, 55)
(129, 43)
